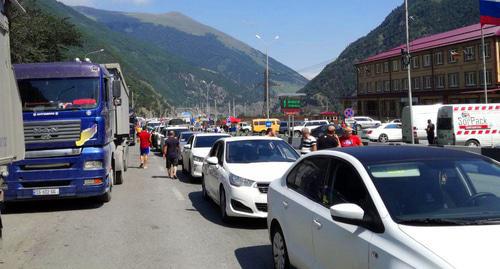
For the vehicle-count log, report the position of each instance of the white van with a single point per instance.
(421, 114)
(474, 125)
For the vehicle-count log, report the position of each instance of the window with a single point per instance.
(361, 87)
(396, 85)
(345, 186)
(387, 85)
(220, 153)
(453, 56)
(395, 65)
(487, 51)
(308, 177)
(427, 60)
(427, 82)
(213, 151)
(379, 86)
(469, 53)
(404, 83)
(416, 83)
(470, 78)
(453, 80)
(438, 57)
(368, 70)
(415, 61)
(386, 67)
(488, 77)
(440, 82)
(378, 68)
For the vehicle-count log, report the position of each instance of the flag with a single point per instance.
(489, 11)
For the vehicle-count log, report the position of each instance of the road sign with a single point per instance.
(348, 112)
(268, 124)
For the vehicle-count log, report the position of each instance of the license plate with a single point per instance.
(46, 192)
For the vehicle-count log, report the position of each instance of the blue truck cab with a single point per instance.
(72, 145)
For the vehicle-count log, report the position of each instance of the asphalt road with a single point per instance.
(151, 222)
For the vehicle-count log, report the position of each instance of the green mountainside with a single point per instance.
(338, 79)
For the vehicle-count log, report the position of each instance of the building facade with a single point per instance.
(445, 68)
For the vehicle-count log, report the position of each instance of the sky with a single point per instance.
(311, 32)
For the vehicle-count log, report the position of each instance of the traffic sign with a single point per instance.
(268, 124)
(348, 112)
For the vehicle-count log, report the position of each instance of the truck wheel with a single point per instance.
(472, 143)
(119, 177)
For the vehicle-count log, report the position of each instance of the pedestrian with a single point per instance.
(430, 132)
(308, 142)
(171, 154)
(270, 132)
(329, 140)
(145, 143)
(349, 139)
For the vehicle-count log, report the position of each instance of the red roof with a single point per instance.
(460, 35)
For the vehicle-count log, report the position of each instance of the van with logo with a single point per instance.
(259, 125)
(474, 125)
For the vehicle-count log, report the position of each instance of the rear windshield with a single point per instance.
(444, 124)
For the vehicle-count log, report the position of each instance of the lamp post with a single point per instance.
(92, 52)
(208, 88)
(408, 66)
(267, 45)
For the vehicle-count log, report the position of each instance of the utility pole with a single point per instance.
(408, 65)
(234, 109)
(215, 109)
(267, 73)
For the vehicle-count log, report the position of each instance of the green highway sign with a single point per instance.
(290, 103)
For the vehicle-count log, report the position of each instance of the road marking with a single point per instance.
(178, 194)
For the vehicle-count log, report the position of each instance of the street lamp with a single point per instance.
(408, 67)
(92, 52)
(267, 45)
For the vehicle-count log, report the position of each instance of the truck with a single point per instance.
(471, 125)
(11, 132)
(421, 114)
(76, 129)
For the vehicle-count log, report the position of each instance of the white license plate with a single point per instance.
(46, 192)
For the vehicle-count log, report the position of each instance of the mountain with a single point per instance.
(338, 79)
(203, 47)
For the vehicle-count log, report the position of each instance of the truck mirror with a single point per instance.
(117, 88)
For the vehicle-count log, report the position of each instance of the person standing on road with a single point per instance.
(145, 143)
(349, 139)
(430, 132)
(171, 153)
(330, 140)
(308, 143)
(270, 132)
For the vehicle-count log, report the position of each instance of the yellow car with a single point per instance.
(259, 125)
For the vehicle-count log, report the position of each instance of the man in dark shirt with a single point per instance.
(330, 140)
(171, 153)
(430, 132)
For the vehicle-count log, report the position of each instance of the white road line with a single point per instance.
(178, 194)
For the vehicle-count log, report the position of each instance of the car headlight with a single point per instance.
(92, 165)
(240, 181)
(198, 159)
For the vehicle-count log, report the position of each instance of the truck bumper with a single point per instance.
(58, 177)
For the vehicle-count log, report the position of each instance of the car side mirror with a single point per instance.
(348, 213)
(187, 146)
(213, 160)
(117, 88)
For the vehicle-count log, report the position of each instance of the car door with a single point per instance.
(220, 174)
(186, 152)
(337, 244)
(303, 192)
(209, 173)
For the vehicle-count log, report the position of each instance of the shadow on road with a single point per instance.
(187, 179)
(255, 257)
(210, 211)
(51, 206)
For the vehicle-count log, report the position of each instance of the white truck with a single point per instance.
(11, 131)
(421, 114)
(472, 125)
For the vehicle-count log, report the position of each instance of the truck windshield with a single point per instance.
(59, 94)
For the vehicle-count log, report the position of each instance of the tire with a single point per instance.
(119, 177)
(222, 203)
(190, 173)
(279, 250)
(204, 193)
(472, 143)
(106, 197)
(383, 138)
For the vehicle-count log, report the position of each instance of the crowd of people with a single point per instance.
(330, 140)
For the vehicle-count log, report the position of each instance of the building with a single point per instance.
(445, 68)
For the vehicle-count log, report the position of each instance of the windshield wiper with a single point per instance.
(436, 221)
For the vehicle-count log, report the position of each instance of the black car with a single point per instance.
(321, 130)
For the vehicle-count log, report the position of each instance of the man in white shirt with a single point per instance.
(308, 143)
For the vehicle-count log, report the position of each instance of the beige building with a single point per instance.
(445, 68)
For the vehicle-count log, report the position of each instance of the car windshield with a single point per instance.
(206, 141)
(426, 192)
(252, 151)
(59, 94)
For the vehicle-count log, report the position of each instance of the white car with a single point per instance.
(363, 122)
(238, 170)
(245, 127)
(195, 151)
(387, 207)
(311, 125)
(384, 133)
(176, 129)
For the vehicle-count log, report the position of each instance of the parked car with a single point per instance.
(387, 207)
(395, 121)
(156, 135)
(311, 125)
(238, 170)
(363, 122)
(384, 133)
(283, 127)
(195, 151)
(245, 127)
(183, 139)
(176, 129)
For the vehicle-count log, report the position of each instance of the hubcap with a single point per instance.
(278, 251)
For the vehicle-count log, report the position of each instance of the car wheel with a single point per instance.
(204, 193)
(222, 201)
(280, 253)
(383, 138)
(472, 143)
